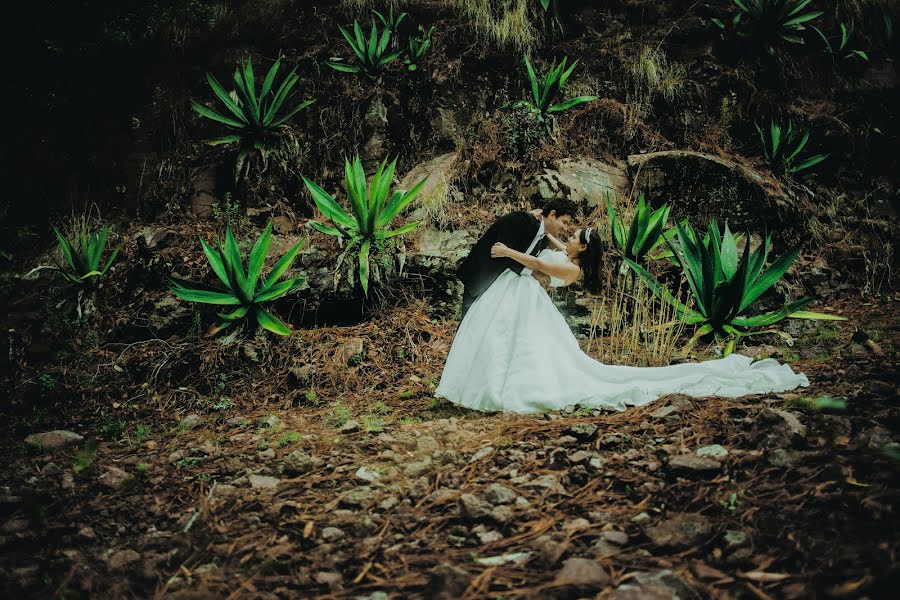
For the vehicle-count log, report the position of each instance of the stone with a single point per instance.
(697, 183)
(439, 173)
(332, 534)
(714, 451)
(585, 181)
(502, 514)
(333, 580)
(52, 440)
(549, 551)
(582, 431)
(692, 462)
(121, 559)
(667, 580)
(366, 474)
(619, 538)
(497, 494)
(267, 454)
(268, 422)
(782, 457)
(235, 422)
(640, 518)
(472, 507)
(735, 539)
(361, 496)
(189, 422)
(299, 463)
(115, 479)
(417, 469)
(448, 581)
(482, 453)
(351, 426)
(442, 495)
(680, 530)
(204, 191)
(486, 537)
(263, 482)
(777, 428)
(51, 470)
(86, 534)
(582, 572)
(549, 482)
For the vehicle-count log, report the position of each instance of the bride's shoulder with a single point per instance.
(553, 255)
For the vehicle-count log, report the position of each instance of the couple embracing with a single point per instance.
(514, 351)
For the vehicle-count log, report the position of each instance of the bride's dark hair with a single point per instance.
(591, 259)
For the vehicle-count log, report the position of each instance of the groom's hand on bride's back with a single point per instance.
(542, 279)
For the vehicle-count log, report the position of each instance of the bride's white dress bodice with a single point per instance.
(514, 352)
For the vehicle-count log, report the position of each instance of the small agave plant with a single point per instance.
(243, 288)
(84, 256)
(645, 232)
(544, 91)
(253, 117)
(366, 227)
(724, 286)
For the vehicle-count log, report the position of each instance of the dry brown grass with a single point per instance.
(632, 327)
(650, 75)
(506, 23)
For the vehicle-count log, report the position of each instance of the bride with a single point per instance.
(514, 351)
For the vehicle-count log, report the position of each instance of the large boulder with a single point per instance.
(585, 181)
(702, 185)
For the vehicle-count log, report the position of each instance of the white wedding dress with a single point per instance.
(514, 352)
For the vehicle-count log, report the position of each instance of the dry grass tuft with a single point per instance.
(507, 23)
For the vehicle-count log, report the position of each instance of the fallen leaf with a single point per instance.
(704, 571)
(764, 577)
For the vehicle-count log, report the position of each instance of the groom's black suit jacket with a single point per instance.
(516, 229)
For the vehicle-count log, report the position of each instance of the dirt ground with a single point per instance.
(379, 491)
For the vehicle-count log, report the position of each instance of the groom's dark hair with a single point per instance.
(562, 207)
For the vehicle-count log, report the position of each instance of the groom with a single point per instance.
(520, 230)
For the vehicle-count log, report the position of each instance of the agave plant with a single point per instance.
(769, 21)
(253, 117)
(724, 286)
(781, 152)
(371, 211)
(643, 235)
(371, 53)
(416, 47)
(544, 93)
(243, 288)
(84, 256)
(841, 51)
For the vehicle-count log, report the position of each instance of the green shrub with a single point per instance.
(84, 256)
(371, 53)
(254, 118)
(768, 22)
(372, 210)
(544, 92)
(416, 47)
(243, 289)
(782, 152)
(645, 232)
(724, 286)
(841, 51)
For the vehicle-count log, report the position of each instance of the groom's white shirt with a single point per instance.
(537, 237)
